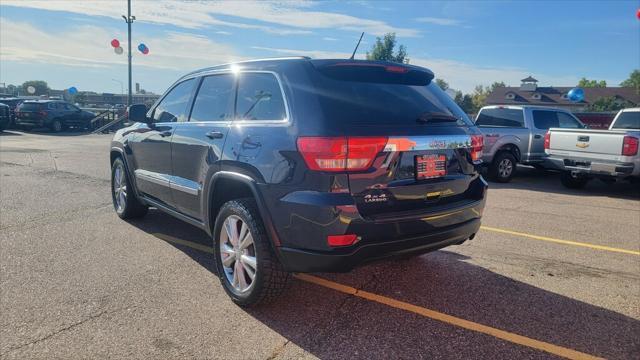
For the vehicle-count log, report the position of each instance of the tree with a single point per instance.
(465, 102)
(383, 50)
(633, 81)
(443, 84)
(609, 103)
(586, 83)
(41, 87)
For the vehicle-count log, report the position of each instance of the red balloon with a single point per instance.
(145, 51)
(638, 14)
(115, 43)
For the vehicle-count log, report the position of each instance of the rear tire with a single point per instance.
(125, 202)
(56, 126)
(237, 218)
(573, 181)
(503, 167)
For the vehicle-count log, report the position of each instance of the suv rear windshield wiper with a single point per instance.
(436, 117)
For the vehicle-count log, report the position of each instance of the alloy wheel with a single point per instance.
(238, 254)
(120, 188)
(505, 167)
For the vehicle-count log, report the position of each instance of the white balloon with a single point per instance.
(31, 90)
(118, 50)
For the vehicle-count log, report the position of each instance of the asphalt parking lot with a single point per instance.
(553, 273)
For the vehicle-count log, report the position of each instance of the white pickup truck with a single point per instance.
(606, 154)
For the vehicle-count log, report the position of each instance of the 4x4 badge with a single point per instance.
(375, 198)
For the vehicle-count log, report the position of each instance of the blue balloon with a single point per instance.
(576, 94)
(72, 90)
(141, 47)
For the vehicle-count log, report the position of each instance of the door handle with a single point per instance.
(214, 135)
(165, 133)
(537, 136)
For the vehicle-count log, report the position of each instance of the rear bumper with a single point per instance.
(596, 167)
(31, 122)
(297, 260)
(305, 219)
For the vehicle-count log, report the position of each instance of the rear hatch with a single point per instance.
(422, 146)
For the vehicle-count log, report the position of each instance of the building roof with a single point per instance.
(556, 96)
(529, 79)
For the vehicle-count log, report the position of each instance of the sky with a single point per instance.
(67, 42)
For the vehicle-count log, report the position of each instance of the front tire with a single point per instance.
(573, 181)
(503, 167)
(125, 202)
(246, 264)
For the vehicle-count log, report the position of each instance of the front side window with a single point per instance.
(52, 106)
(173, 107)
(543, 119)
(259, 98)
(214, 99)
(567, 121)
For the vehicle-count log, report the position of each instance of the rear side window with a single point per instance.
(26, 106)
(501, 118)
(173, 107)
(259, 98)
(545, 119)
(628, 120)
(214, 99)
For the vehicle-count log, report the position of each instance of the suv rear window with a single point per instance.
(29, 106)
(368, 102)
(628, 120)
(501, 117)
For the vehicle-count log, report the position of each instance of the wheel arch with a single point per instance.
(512, 148)
(225, 186)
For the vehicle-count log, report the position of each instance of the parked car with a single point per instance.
(5, 116)
(515, 135)
(299, 165)
(13, 103)
(54, 114)
(606, 154)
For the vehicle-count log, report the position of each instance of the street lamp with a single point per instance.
(129, 20)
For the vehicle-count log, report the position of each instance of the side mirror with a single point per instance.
(138, 113)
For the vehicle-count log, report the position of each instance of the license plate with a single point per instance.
(430, 166)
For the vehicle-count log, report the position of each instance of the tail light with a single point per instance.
(629, 146)
(340, 153)
(477, 143)
(547, 141)
(42, 113)
(342, 240)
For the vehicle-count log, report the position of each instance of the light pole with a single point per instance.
(121, 87)
(129, 20)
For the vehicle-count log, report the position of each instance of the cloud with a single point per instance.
(326, 38)
(88, 46)
(439, 21)
(222, 33)
(291, 17)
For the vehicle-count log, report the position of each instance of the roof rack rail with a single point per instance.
(248, 61)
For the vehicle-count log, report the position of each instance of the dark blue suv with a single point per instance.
(300, 165)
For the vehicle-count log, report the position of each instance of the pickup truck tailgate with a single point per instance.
(603, 142)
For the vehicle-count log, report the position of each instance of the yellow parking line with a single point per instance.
(559, 241)
(432, 314)
(452, 320)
